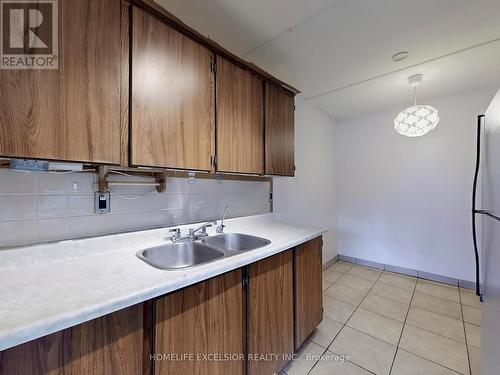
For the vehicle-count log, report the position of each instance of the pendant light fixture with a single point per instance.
(417, 120)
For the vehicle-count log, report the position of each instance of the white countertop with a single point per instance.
(50, 287)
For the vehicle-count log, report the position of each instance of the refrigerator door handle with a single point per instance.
(474, 210)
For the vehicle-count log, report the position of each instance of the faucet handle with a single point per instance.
(204, 229)
(177, 233)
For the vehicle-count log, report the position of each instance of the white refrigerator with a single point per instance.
(486, 231)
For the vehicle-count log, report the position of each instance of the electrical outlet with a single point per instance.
(102, 203)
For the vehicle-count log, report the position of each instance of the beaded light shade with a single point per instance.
(417, 120)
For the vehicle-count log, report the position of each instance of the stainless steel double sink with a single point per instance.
(180, 255)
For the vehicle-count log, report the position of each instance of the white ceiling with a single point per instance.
(338, 53)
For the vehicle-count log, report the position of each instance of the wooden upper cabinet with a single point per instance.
(206, 319)
(240, 119)
(279, 131)
(308, 288)
(270, 306)
(73, 112)
(173, 98)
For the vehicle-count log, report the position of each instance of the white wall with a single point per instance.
(309, 197)
(404, 201)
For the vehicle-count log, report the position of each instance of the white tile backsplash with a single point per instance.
(51, 229)
(50, 183)
(39, 207)
(17, 232)
(17, 182)
(17, 207)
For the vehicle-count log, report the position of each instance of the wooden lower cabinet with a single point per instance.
(206, 319)
(308, 288)
(112, 344)
(270, 306)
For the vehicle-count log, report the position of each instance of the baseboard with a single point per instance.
(410, 272)
(330, 262)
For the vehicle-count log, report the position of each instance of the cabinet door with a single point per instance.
(72, 113)
(279, 131)
(112, 344)
(172, 97)
(270, 301)
(205, 319)
(240, 119)
(308, 289)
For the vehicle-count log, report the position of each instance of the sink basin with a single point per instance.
(179, 255)
(236, 242)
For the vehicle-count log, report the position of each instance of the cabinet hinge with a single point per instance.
(213, 66)
(244, 281)
(215, 161)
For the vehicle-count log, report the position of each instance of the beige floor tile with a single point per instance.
(436, 348)
(325, 332)
(410, 364)
(341, 267)
(331, 275)
(346, 294)
(337, 310)
(392, 292)
(439, 290)
(330, 365)
(473, 334)
(440, 324)
(365, 273)
(401, 281)
(366, 351)
(326, 284)
(355, 282)
(472, 314)
(474, 358)
(376, 325)
(468, 297)
(308, 354)
(386, 307)
(437, 305)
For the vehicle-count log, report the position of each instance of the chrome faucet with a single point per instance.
(192, 233)
(220, 228)
(202, 228)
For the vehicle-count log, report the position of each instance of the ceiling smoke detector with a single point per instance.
(400, 56)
